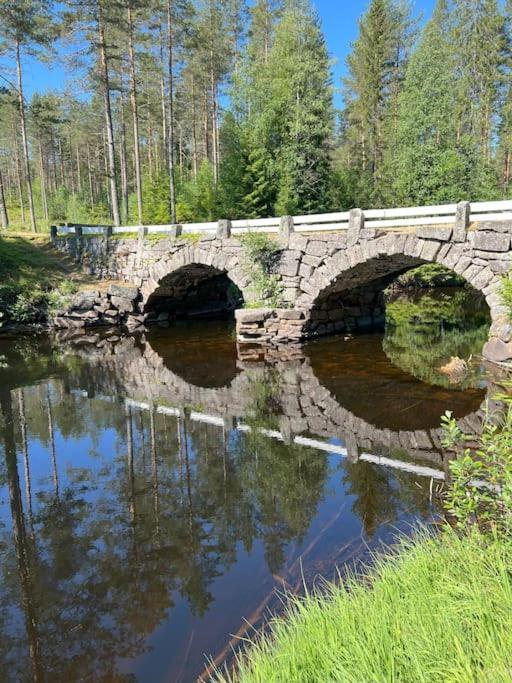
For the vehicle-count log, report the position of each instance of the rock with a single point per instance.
(122, 304)
(83, 301)
(290, 314)
(497, 350)
(492, 241)
(124, 292)
(456, 369)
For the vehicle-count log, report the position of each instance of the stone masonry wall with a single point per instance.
(329, 281)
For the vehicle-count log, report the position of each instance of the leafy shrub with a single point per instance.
(506, 293)
(262, 254)
(481, 488)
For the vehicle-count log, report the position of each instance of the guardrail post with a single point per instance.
(175, 230)
(355, 226)
(462, 220)
(224, 229)
(286, 228)
(53, 234)
(107, 231)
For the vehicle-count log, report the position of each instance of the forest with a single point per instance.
(190, 110)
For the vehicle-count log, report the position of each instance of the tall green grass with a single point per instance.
(440, 609)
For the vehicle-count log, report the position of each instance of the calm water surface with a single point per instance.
(156, 490)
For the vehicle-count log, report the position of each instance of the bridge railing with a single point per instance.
(379, 219)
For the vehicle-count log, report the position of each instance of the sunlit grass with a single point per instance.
(438, 610)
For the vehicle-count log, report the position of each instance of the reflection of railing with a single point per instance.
(444, 214)
(316, 444)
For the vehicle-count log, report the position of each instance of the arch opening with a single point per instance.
(193, 291)
(434, 321)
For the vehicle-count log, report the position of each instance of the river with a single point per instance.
(156, 490)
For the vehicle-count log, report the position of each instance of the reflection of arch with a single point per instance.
(188, 270)
(305, 405)
(365, 269)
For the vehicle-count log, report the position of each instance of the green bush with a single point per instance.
(262, 254)
(480, 492)
(506, 293)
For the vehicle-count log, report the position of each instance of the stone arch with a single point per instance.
(387, 256)
(193, 265)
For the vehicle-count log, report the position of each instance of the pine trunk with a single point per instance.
(135, 115)
(24, 140)
(3, 207)
(111, 156)
(170, 134)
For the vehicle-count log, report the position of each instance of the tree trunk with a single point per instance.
(170, 135)
(194, 131)
(19, 533)
(111, 155)
(19, 181)
(123, 158)
(3, 207)
(163, 96)
(89, 176)
(135, 114)
(215, 116)
(78, 170)
(21, 103)
(43, 182)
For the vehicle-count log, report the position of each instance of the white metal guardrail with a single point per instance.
(381, 219)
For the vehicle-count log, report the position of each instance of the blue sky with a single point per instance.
(339, 22)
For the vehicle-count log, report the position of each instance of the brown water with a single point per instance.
(155, 491)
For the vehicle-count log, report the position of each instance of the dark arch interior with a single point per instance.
(356, 300)
(193, 291)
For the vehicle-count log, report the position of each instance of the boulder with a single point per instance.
(498, 351)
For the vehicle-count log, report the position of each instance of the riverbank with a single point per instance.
(439, 609)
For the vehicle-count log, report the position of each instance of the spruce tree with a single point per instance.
(429, 166)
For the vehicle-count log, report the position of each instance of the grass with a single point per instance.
(440, 609)
(34, 279)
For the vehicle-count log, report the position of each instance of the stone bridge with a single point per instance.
(327, 282)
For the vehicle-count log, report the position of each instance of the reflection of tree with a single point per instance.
(381, 494)
(425, 329)
(20, 540)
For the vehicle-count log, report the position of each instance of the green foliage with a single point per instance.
(197, 199)
(438, 609)
(261, 255)
(506, 293)
(480, 491)
(426, 328)
(429, 275)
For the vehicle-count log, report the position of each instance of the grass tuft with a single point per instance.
(440, 609)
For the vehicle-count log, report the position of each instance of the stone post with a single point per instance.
(286, 228)
(79, 241)
(355, 226)
(107, 234)
(224, 229)
(141, 234)
(462, 219)
(53, 234)
(175, 231)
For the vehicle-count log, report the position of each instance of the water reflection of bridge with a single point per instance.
(296, 408)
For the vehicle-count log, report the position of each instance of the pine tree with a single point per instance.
(26, 25)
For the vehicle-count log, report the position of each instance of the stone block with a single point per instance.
(252, 315)
(317, 248)
(492, 241)
(124, 292)
(497, 350)
(123, 305)
(442, 234)
(355, 226)
(502, 328)
(288, 268)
